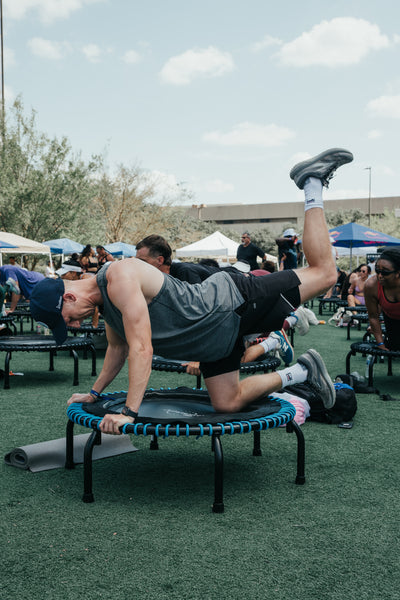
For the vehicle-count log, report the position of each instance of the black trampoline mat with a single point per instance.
(180, 405)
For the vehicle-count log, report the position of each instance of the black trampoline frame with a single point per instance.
(270, 363)
(377, 353)
(285, 416)
(41, 343)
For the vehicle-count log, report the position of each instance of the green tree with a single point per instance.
(45, 189)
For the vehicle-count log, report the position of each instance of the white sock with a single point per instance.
(269, 344)
(292, 320)
(313, 193)
(294, 374)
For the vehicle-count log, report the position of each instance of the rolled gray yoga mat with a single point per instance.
(51, 455)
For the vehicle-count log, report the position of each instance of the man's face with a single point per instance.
(73, 313)
(144, 255)
(245, 240)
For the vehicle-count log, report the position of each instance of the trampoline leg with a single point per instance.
(218, 506)
(93, 351)
(94, 440)
(51, 367)
(7, 371)
(154, 442)
(390, 372)
(349, 355)
(76, 367)
(69, 446)
(256, 444)
(371, 372)
(300, 476)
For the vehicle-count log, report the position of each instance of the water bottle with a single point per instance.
(370, 360)
(38, 328)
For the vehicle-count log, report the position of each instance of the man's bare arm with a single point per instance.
(114, 360)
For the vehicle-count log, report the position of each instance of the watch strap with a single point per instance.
(128, 412)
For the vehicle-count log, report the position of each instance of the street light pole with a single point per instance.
(369, 194)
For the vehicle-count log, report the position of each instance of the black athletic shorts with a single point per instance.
(269, 299)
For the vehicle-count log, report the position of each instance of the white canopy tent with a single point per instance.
(214, 245)
(22, 246)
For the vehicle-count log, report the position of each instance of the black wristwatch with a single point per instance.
(128, 412)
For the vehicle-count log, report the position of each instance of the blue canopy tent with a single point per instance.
(64, 246)
(353, 235)
(121, 249)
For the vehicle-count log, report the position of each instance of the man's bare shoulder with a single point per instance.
(131, 272)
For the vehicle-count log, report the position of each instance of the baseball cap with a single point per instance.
(289, 232)
(66, 268)
(242, 265)
(46, 305)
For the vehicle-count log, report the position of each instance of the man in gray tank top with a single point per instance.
(146, 310)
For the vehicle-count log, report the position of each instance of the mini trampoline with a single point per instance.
(88, 329)
(376, 352)
(270, 363)
(184, 412)
(8, 320)
(43, 343)
(332, 304)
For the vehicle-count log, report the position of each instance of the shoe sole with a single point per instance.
(317, 361)
(339, 156)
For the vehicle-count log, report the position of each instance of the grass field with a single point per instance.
(151, 534)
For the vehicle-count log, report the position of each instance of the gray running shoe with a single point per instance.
(322, 166)
(318, 377)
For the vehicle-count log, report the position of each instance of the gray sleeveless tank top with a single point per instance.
(188, 321)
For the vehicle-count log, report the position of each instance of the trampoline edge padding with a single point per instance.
(265, 414)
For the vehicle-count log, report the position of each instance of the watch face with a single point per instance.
(125, 410)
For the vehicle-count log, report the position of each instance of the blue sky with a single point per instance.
(220, 97)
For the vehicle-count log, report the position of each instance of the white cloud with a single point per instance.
(387, 171)
(92, 52)
(217, 186)
(374, 134)
(131, 57)
(48, 49)
(9, 57)
(266, 42)
(207, 62)
(341, 41)
(47, 10)
(385, 106)
(251, 134)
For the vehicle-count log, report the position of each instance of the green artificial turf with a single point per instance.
(150, 532)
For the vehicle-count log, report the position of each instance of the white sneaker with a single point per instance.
(302, 325)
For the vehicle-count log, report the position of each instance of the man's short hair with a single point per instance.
(158, 246)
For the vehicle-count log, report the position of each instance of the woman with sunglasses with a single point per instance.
(357, 282)
(382, 294)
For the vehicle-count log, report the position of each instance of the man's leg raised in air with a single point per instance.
(226, 391)
(311, 175)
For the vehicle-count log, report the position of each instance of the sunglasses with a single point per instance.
(383, 272)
